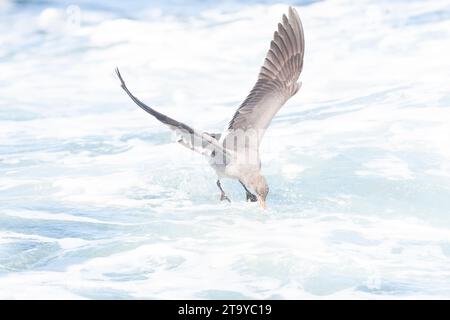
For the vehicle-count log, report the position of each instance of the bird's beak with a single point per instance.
(262, 202)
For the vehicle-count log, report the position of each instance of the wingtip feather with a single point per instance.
(120, 77)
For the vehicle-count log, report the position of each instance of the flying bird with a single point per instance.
(234, 153)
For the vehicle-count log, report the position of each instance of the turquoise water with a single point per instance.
(98, 201)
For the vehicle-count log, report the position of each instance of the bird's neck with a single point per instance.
(251, 178)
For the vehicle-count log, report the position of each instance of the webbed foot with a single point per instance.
(224, 197)
(251, 197)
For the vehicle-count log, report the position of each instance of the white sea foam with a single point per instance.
(91, 188)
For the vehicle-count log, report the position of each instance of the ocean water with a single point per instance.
(98, 201)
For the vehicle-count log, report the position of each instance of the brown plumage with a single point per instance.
(229, 151)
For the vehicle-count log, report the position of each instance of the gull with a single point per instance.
(234, 153)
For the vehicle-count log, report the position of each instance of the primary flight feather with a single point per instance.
(234, 153)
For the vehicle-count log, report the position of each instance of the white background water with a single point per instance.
(98, 201)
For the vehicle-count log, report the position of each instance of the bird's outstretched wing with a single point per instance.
(277, 80)
(195, 140)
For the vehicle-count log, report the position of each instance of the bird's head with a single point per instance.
(259, 184)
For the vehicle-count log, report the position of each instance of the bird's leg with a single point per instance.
(222, 193)
(250, 196)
